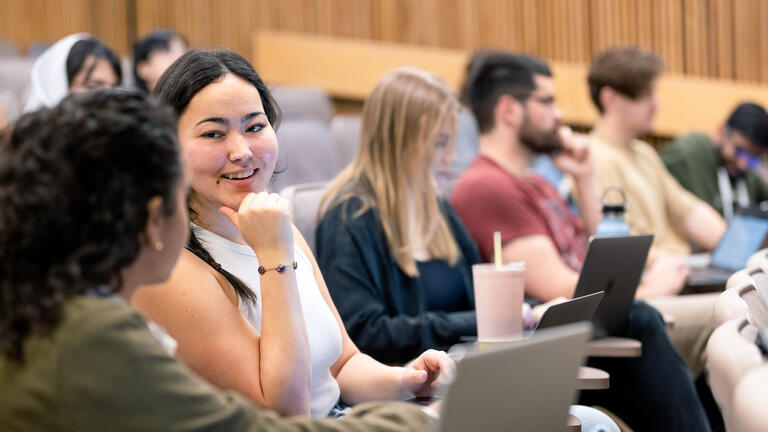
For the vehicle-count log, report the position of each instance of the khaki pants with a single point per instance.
(694, 322)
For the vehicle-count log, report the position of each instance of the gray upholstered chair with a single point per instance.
(15, 74)
(748, 402)
(306, 153)
(303, 103)
(346, 130)
(305, 201)
(731, 354)
(8, 49)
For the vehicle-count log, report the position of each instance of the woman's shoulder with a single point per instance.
(192, 280)
(193, 270)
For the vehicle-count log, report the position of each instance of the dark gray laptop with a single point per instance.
(745, 235)
(614, 265)
(571, 311)
(526, 386)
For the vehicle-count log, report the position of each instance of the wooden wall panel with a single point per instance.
(349, 69)
(695, 37)
(26, 22)
(722, 36)
(704, 38)
(668, 33)
(763, 35)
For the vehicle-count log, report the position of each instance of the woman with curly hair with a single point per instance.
(93, 205)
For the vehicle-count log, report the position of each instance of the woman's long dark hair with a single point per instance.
(75, 181)
(179, 84)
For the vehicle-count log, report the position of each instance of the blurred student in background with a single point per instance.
(75, 64)
(622, 84)
(153, 54)
(722, 169)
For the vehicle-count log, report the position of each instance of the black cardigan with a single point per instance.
(383, 309)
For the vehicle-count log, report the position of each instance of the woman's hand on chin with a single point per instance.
(423, 376)
(264, 222)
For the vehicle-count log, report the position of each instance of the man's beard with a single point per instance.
(540, 141)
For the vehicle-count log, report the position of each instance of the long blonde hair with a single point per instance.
(402, 118)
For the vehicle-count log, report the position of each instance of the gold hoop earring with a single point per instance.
(159, 245)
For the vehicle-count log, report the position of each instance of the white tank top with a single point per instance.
(322, 328)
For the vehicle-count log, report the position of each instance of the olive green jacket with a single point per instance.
(102, 370)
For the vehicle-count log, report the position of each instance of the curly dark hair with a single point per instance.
(177, 86)
(75, 181)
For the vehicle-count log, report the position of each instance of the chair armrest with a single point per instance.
(669, 321)
(614, 347)
(592, 379)
(573, 424)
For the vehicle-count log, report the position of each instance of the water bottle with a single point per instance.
(613, 224)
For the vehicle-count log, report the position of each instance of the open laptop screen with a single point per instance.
(743, 237)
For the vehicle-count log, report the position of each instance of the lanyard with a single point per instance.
(726, 193)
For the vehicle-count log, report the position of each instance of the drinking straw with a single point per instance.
(497, 249)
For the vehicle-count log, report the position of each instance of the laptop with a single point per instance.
(571, 311)
(614, 265)
(746, 234)
(526, 386)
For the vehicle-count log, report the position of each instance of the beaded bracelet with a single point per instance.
(280, 268)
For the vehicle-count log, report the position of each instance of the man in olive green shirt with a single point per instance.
(722, 169)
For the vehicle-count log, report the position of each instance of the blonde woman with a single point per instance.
(246, 301)
(396, 257)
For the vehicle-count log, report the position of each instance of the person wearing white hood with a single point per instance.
(74, 64)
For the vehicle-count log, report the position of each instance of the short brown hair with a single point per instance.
(624, 68)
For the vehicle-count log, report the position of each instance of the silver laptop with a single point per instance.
(745, 235)
(526, 386)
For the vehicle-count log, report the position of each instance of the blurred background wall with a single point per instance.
(695, 37)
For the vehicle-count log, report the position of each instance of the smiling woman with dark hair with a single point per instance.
(92, 205)
(246, 301)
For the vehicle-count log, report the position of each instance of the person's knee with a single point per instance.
(644, 321)
(645, 313)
